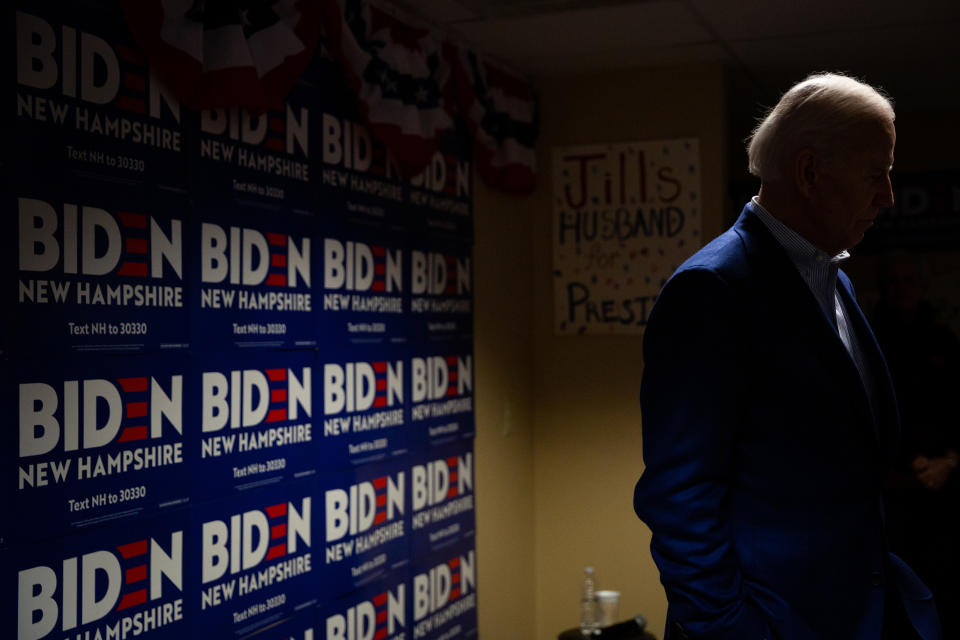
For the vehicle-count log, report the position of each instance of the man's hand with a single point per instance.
(932, 472)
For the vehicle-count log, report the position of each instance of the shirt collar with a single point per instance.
(801, 251)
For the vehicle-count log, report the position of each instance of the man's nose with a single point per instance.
(885, 193)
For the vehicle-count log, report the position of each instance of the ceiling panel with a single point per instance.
(603, 34)
(910, 47)
(747, 19)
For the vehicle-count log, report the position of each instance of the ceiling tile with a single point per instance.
(595, 32)
(747, 19)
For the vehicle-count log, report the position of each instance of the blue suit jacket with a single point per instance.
(764, 457)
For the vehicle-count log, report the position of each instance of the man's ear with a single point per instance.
(805, 170)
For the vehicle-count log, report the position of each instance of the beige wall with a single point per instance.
(586, 411)
(558, 422)
(503, 355)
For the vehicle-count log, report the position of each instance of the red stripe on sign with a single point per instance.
(132, 220)
(451, 260)
(131, 434)
(274, 144)
(135, 574)
(381, 384)
(454, 563)
(130, 55)
(450, 290)
(452, 461)
(450, 190)
(136, 409)
(277, 510)
(454, 593)
(377, 170)
(132, 599)
(276, 551)
(378, 285)
(381, 617)
(133, 384)
(276, 124)
(453, 376)
(452, 361)
(380, 483)
(378, 251)
(133, 81)
(381, 500)
(133, 269)
(278, 395)
(453, 477)
(452, 391)
(380, 634)
(455, 578)
(131, 104)
(380, 600)
(277, 280)
(276, 375)
(379, 401)
(278, 531)
(277, 415)
(133, 549)
(452, 493)
(136, 245)
(379, 268)
(277, 239)
(379, 367)
(381, 517)
(278, 260)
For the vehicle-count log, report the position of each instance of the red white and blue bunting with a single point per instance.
(409, 83)
(501, 113)
(225, 53)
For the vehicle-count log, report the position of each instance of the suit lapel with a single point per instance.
(886, 418)
(797, 309)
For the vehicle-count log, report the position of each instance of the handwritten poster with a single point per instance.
(625, 216)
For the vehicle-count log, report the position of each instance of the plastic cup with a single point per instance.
(608, 607)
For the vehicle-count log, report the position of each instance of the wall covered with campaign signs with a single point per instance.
(237, 358)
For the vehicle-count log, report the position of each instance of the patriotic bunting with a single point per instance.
(224, 53)
(409, 85)
(397, 73)
(501, 114)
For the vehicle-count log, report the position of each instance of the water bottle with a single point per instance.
(588, 604)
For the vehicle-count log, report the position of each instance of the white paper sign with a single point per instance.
(625, 217)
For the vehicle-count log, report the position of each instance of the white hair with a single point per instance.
(815, 113)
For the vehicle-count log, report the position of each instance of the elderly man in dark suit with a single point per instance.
(768, 415)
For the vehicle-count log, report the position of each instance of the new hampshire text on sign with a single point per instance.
(624, 217)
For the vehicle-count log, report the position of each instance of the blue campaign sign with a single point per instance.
(377, 611)
(252, 277)
(362, 280)
(441, 393)
(441, 196)
(95, 268)
(259, 157)
(442, 509)
(440, 289)
(443, 594)
(87, 104)
(300, 626)
(251, 560)
(363, 394)
(123, 579)
(251, 414)
(95, 440)
(358, 176)
(363, 518)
